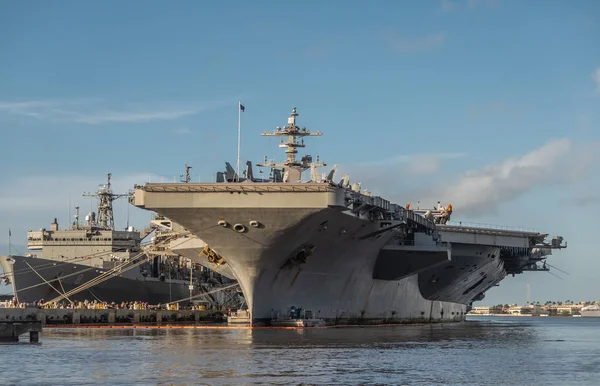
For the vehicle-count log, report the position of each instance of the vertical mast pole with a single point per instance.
(191, 287)
(239, 139)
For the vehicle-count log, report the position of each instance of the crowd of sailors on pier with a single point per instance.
(99, 305)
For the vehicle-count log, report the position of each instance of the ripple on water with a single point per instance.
(497, 352)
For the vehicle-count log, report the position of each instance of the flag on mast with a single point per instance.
(241, 109)
(9, 234)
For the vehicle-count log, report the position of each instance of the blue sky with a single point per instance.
(492, 105)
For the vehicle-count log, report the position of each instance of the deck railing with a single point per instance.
(491, 226)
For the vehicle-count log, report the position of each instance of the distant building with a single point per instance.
(564, 309)
(529, 309)
(485, 310)
(547, 309)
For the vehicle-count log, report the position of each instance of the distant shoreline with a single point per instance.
(529, 316)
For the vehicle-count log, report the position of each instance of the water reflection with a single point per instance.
(393, 337)
(477, 352)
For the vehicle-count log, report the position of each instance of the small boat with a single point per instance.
(297, 317)
(238, 317)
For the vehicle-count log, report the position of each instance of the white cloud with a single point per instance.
(405, 44)
(596, 78)
(457, 5)
(483, 190)
(32, 202)
(423, 163)
(97, 111)
(26, 108)
(390, 175)
(34, 193)
(142, 116)
(182, 131)
(498, 183)
(585, 199)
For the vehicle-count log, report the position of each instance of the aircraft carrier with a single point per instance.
(333, 252)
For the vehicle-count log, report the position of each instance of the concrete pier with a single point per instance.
(75, 317)
(11, 330)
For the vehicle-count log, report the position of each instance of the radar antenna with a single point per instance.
(292, 168)
(105, 209)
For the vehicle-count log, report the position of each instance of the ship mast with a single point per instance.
(187, 174)
(105, 209)
(292, 168)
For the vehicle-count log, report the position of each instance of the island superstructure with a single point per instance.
(334, 250)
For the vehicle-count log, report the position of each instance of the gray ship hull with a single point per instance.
(471, 271)
(191, 248)
(29, 287)
(318, 250)
(336, 282)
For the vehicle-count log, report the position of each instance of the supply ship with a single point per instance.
(316, 249)
(93, 261)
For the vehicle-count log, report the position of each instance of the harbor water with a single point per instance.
(480, 351)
